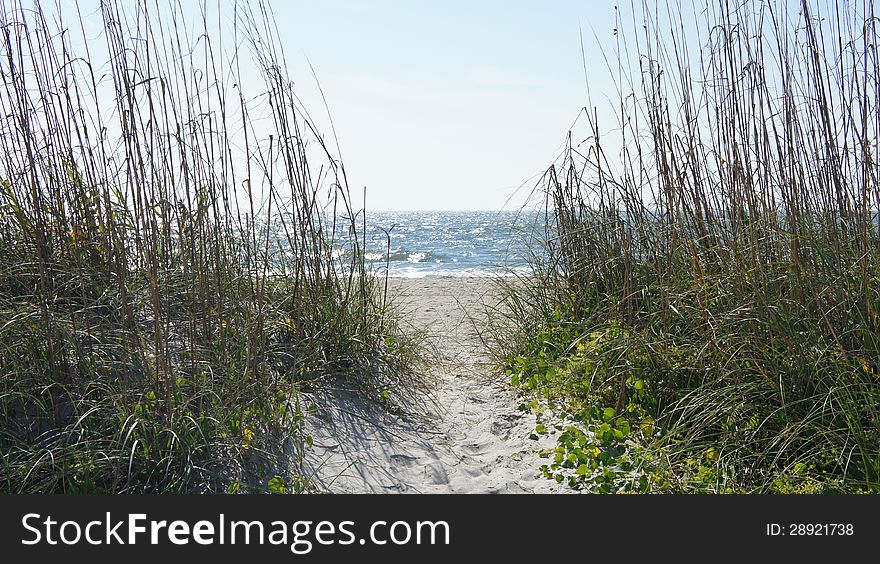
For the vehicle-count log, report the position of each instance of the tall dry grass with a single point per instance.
(727, 236)
(169, 266)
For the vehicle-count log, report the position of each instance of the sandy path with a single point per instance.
(473, 441)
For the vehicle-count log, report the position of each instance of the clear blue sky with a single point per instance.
(454, 104)
(445, 105)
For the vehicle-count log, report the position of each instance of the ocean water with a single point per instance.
(451, 243)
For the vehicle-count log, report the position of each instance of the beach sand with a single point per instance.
(473, 440)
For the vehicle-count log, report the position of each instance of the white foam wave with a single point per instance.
(457, 273)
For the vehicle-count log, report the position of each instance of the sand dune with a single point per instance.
(473, 441)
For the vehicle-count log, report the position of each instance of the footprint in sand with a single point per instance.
(403, 460)
(500, 429)
(474, 470)
(503, 426)
(476, 448)
(436, 474)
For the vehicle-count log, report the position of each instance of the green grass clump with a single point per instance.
(705, 316)
(170, 276)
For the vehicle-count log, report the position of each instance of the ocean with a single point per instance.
(414, 244)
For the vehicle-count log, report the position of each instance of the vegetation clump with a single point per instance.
(704, 317)
(170, 266)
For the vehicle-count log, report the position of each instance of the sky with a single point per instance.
(451, 105)
(445, 105)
